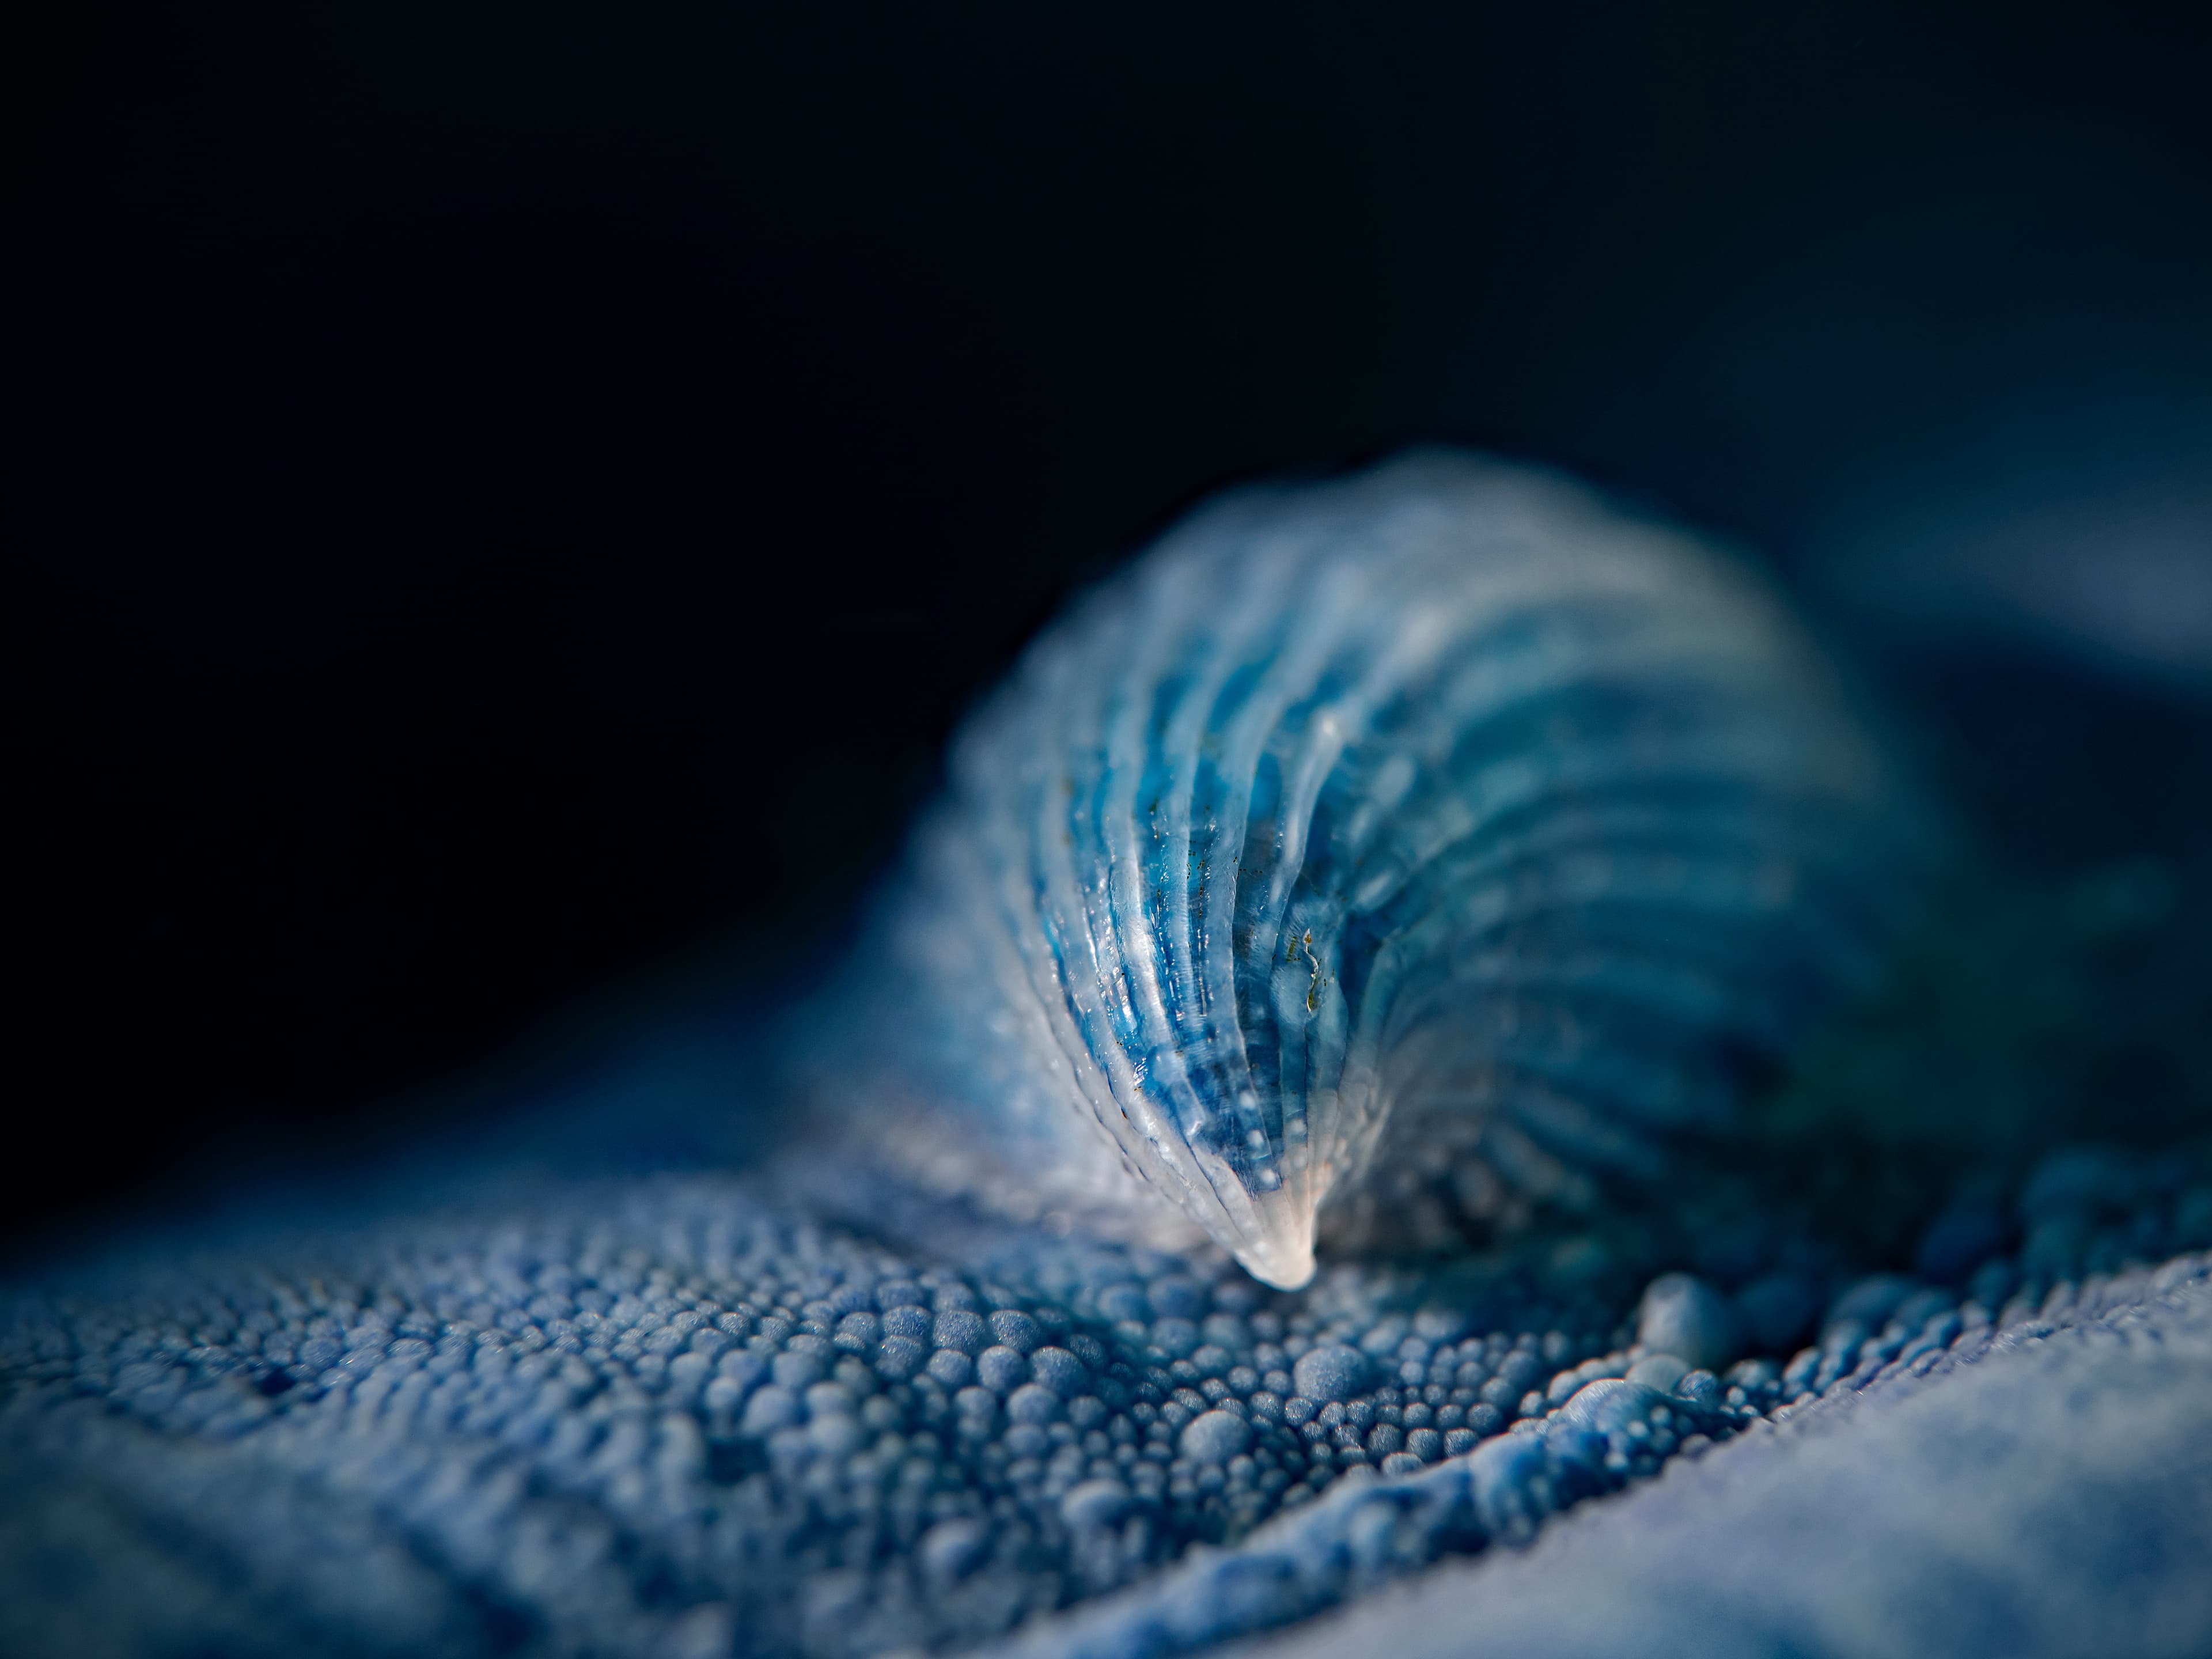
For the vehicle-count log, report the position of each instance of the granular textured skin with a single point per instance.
(2046, 1488)
(668, 1414)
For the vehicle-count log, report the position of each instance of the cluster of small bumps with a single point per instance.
(672, 1403)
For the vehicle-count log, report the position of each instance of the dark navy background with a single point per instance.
(511, 498)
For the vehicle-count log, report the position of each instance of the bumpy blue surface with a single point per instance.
(2043, 1489)
(808, 1397)
(663, 1414)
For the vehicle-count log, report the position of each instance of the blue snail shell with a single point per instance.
(1402, 852)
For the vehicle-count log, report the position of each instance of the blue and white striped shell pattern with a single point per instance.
(1428, 844)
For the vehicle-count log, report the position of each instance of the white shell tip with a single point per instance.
(1286, 1265)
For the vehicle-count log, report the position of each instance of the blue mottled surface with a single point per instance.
(2042, 1489)
(666, 1414)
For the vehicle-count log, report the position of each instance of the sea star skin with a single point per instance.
(617, 1404)
(665, 1413)
(2042, 1489)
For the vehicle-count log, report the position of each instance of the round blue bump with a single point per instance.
(1330, 1372)
(1032, 1402)
(952, 1368)
(769, 1409)
(1002, 1370)
(899, 1357)
(795, 1371)
(1215, 1437)
(961, 1331)
(1662, 1371)
(953, 1549)
(1060, 1371)
(1175, 1336)
(1685, 1316)
(1092, 1504)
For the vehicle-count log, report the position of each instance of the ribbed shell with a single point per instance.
(1436, 825)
